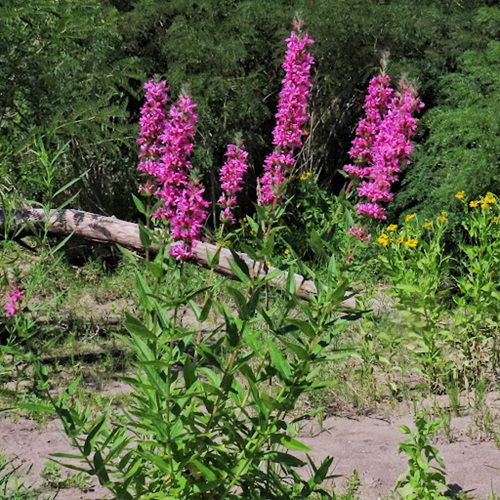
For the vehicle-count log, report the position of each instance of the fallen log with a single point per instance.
(113, 231)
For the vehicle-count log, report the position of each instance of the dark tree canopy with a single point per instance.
(72, 75)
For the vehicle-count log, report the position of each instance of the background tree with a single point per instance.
(73, 72)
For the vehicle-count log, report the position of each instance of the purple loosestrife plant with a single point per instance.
(152, 122)
(12, 302)
(291, 114)
(166, 143)
(231, 178)
(187, 222)
(376, 105)
(383, 144)
(178, 138)
(359, 232)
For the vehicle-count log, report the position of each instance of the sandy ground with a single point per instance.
(369, 445)
(366, 444)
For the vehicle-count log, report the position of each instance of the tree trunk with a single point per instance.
(113, 231)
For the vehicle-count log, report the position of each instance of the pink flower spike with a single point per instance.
(382, 145)
(296, 88)
(274, 177)
(231, 178)
(291, 115)
(187, 222)
(152, 119)
(166, 143)
(359, 232)
(11, 305)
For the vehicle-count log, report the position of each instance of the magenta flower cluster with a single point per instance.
(152, 122)
(177, 140)
(12, 303)
(359, 232)
(291, 115)
(166, 143)
(232, 175)
(382, 144)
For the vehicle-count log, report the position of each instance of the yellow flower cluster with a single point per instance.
(392, 227)
(286, 251)
(443, 217)
(428, 224)
(383, 239)
(485, 202)
(410, 217)
(305, 176)
(460, 195)
(412, 243)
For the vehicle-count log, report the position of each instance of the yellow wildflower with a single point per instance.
(427, 225)
(460, 195)
(383, 239)
(410, 217)
(485, 205)
(287, 251)
(392, 227)
(474, 203)
(400, 239)
(411, 243)
(489, 198)
(305, 176)
(443, 217)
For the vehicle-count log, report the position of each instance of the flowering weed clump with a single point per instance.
(205, 421)
(477, 303)
(290, 117)
(448, 319)
(166, 143)
(382, 144)
(232, 176)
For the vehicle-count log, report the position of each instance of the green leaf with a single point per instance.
(239, 268)
(135, 326)
(297, 349)
(139, 204)
(37, 407)
(278, 360)
(144, 236)
(253, 225)
(93, 433)
(213, 258)
(239, 300)
(284, 458)
(332, 268)
(303, 326)
(67, 455)
(189, 372)
(73, 467)
(100, 468)
(61, 244)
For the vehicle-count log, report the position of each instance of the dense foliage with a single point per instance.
(72, 74)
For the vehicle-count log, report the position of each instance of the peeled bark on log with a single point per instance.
(113, 231)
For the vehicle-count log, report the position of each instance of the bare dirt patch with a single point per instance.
(366, 444)
(369, 445)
